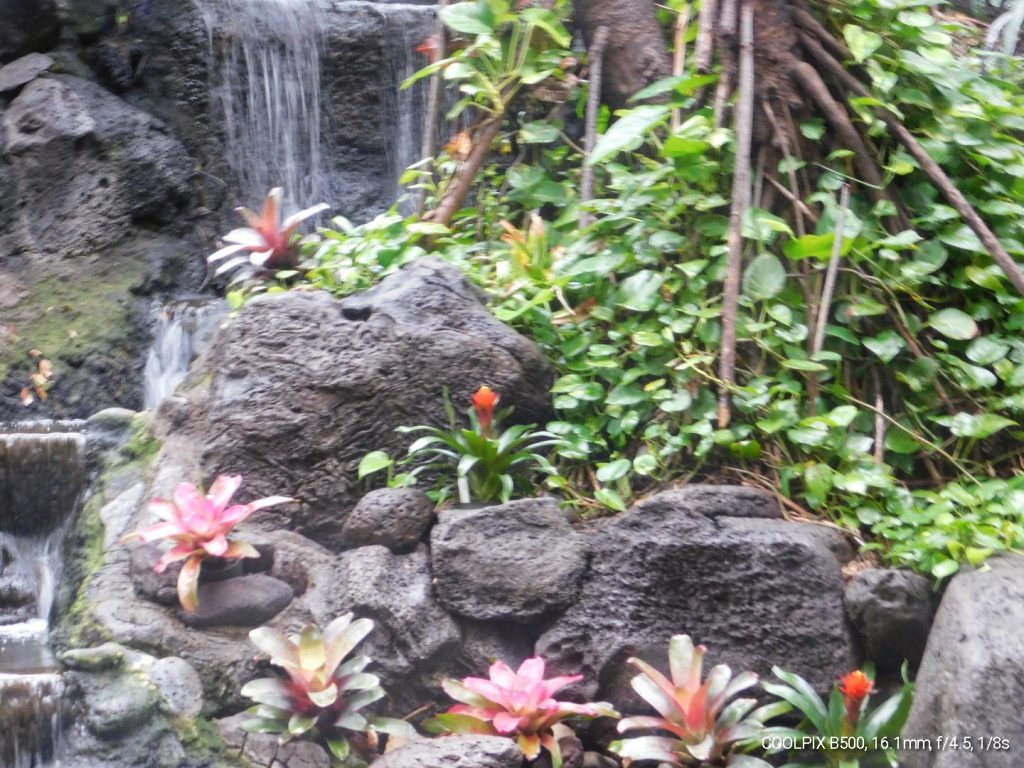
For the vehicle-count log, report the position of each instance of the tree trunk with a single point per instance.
(637, 53)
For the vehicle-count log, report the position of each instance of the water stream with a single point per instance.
(264, 62)
(42, 472)
(183, 330)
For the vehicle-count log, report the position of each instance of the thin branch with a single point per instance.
(932, 170)
(824, 308)
(808, 78)
(744, 121)
(597, 46)
(457, 192)
(879, 418)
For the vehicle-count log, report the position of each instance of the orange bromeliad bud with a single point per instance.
(856, 687)
(484, 400)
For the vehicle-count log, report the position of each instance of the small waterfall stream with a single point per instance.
(42, 473)
(264, 60)
(183, 330)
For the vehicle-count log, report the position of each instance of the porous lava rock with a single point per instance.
(756, 590)
(511, 562)
(300, 386)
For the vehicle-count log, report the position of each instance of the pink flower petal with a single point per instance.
(532, 671)
(505, 722)
(174, 555)
(487, 689)
(223, 488)
(216, 546)
(188, 500)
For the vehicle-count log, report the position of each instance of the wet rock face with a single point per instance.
(513, 562)
(300, 386)
(28, 25)
(756, 590)
(971, 679)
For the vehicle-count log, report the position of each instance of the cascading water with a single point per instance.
(182, 331)
(42, 471)
(404, 109)
(264, 60)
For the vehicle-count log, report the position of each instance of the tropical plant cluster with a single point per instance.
(699, 721)
(890, 405)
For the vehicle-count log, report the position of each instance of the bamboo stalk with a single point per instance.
(597, 46)
(679, 58)
(744, 121)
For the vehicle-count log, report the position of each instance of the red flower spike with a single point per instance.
(484, 400)
(856, 687)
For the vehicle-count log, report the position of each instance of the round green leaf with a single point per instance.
(954, 324)
(764, 278)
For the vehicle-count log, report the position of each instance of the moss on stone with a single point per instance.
(79, 627)
(142, 447)
(202, 741)
(69, 319)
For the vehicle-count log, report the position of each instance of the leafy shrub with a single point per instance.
(904, 426)
(708, 725)
(323, 695)
(199, 526)
(518, 704)
(495, 465)
(855, 736)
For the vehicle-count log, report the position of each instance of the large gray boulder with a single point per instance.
(455, 752)
(300, 386)
(756, 590)
(117, 165)
(971, 680)
(511, 562)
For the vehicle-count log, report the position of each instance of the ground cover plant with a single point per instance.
(875, 377)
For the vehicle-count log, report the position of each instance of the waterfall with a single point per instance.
(183, 330)
(42, 475)
(264, 62)
(404, 110)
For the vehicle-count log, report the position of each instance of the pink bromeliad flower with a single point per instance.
(268, 243)
(198, 526)
(518, 704)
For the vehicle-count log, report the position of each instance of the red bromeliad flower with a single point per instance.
(518, 704)
(198, 526)
(484, 400)
(856, 687)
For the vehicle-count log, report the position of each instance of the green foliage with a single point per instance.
(922, 351)
(855, 736)
(324, 694)
(707, 724)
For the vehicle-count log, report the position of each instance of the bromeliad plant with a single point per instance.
(267, 245)
(490, 464)
(854, 735)
(520, 705)
(199, 526)
(706, 725)
(324, 694)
